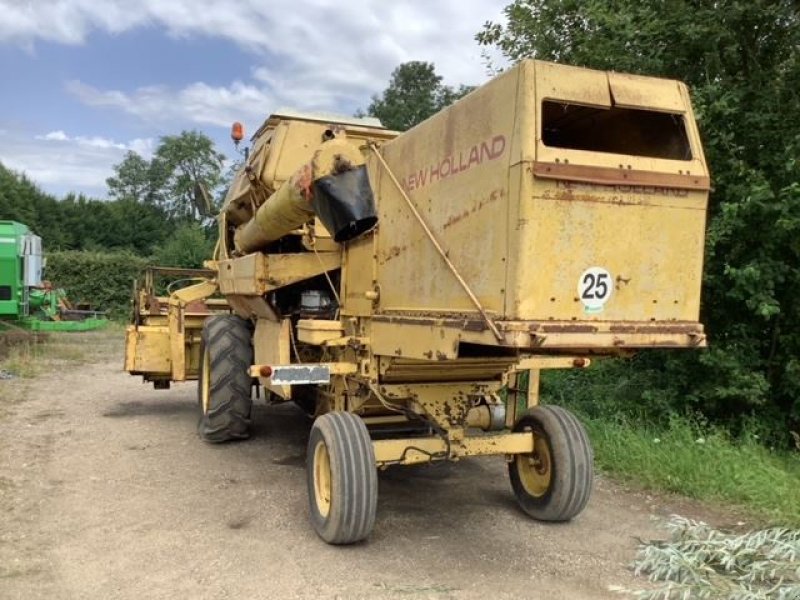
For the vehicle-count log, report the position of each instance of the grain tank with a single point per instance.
(398, 286)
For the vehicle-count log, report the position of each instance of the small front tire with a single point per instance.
(554, 482)
(342, 478)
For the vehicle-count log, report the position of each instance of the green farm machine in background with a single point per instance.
(25, 299)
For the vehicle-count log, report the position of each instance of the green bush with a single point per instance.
(188, 247)
(646, 389)
(102, 279)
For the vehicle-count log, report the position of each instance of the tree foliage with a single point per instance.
(80, 223)
(168, 180)
(136, 179)
(96, 248)
(188, 247)
(415, 93)
(185, 160)
(742, 63)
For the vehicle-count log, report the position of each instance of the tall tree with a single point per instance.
(168, 180)
(415, 93)
(136, 179)
(742, 61)
(186, 160)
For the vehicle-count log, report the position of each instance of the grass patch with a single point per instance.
(30, 356)
(638, 437)
(703, 463)
(20, 361)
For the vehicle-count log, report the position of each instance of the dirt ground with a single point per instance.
(107, 492)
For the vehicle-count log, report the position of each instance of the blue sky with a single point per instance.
(87, 80)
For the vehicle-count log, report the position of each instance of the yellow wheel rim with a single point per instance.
(322, 478)
(205, 381)
(535, 469)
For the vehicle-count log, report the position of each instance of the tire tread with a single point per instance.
(572, 471)
(354, 478)
(229, 341)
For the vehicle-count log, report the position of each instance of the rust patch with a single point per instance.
(302, 180)
(464, 324)
(624, 177)
(622, 329)
(197, 306)
(494, 196)
(569, 329)
(154, 305)
(456, 218)
(393, 252)
(474, 326)
(686, 329)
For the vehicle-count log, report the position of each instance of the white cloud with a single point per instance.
(61, 163)
(59, 136)
(143, 146)
(315, 55)
(197, 103)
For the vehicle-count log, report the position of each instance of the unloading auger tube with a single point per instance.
(334, 185)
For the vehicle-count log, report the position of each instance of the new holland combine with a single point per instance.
(399, 286)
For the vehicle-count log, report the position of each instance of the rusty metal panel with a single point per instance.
(251, 307)
(358, 276)
(395, 370)
(278, 153)
(454, 167)
(318, 331)
(636, 91)
(295, 141)
(624, 177)
(644, 243)
(423, 340)
(285, 269)
(640, 219)
(271, 346)
(130, 348)
(539, 336)
(255, 274)
(522, 235)
(523, 144)
(245, 275)
(147, 350)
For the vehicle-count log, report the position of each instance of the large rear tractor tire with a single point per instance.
(342, 478)
(224, 387)
(554, 482)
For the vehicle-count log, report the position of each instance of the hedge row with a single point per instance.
(102, 279)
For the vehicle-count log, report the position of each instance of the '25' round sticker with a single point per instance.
(594, 288)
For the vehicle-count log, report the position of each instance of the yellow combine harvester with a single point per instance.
(396, 286)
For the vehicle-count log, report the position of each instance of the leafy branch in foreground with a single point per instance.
(702, 562)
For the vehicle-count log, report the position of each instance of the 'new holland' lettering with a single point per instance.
(454, 164)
